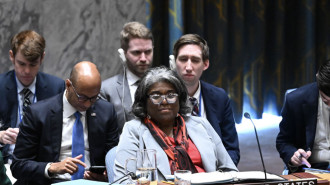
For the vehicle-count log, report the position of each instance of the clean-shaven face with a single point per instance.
(25, 70)
(190, 64)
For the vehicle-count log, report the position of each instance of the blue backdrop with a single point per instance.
(258, 48)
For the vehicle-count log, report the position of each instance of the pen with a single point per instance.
(308, 149)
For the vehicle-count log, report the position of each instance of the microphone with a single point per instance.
(133, 176)
(247, 116)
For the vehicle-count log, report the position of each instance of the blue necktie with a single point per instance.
(78, 146)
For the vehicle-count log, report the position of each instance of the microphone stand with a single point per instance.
(128, 174)
(247, 115)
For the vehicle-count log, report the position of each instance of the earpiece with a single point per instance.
(172, 62)
(122, 55)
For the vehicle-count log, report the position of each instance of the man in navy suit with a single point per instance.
(27, 54)
(191, 55)
(303, 139)
(46, 147)
(4, 179)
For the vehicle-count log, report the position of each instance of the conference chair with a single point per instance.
(110, 163)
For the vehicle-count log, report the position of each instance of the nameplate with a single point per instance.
(293, 182)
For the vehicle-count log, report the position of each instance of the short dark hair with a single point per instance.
(30, 43)
(159, 74)
(134, 30)
(191, 39)
(323, 78)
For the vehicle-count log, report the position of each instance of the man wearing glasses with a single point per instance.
(67, 133)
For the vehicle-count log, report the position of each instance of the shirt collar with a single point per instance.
(68, 109)
(20, 86)
(131, 78)
(198, 92)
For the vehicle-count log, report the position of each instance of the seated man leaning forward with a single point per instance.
(182, 142)
(62, 135)
(303, 140)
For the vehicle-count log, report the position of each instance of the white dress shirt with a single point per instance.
(66, 144)
(321, 150)
(199, 97)
(132, 79)
(20, 97)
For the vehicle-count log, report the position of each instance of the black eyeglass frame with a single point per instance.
(83, 98)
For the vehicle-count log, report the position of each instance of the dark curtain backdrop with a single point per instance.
(258, 48)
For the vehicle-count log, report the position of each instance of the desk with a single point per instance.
(82, 181)
(296, 176)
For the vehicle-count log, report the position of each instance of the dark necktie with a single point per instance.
(26, 102)
(194, 103)
(137, 83)
(78, 145)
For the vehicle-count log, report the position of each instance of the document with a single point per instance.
(225, 177)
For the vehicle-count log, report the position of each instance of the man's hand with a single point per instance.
(96, 177)
(300, 158)
(68, 165)
(9, 136)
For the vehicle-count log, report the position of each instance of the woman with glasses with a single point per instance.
(163, 123)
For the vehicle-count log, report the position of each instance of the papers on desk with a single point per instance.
(314, 170)
(224, 177)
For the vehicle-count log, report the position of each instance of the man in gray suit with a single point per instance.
(136, 53)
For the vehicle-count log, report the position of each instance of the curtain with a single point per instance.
(258, 48)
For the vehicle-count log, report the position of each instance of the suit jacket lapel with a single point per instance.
(163, 166)
(91, 122)
(56, 122)
(195, 131)
(12, 101)
(126, 95)
(310, 115)
(210, 103)
(41, 88)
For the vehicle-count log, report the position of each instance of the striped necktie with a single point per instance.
(195, 110)
(26, 101)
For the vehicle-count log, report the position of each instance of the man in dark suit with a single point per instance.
(4, 180)
(303, 139)
(136, 52)
(53, 130)
(27, 54)
(191, 55)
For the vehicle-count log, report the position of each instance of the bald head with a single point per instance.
(85, 81)
(85, 73)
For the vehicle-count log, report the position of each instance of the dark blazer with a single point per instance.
(39, 139)
(4, 180)
(299, 118)
(46, 86)
(219, 113)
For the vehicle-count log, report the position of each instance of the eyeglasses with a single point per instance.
(158, 99)
(82, 98)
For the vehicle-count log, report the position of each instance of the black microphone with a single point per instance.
(127, 174)
(247, 116)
